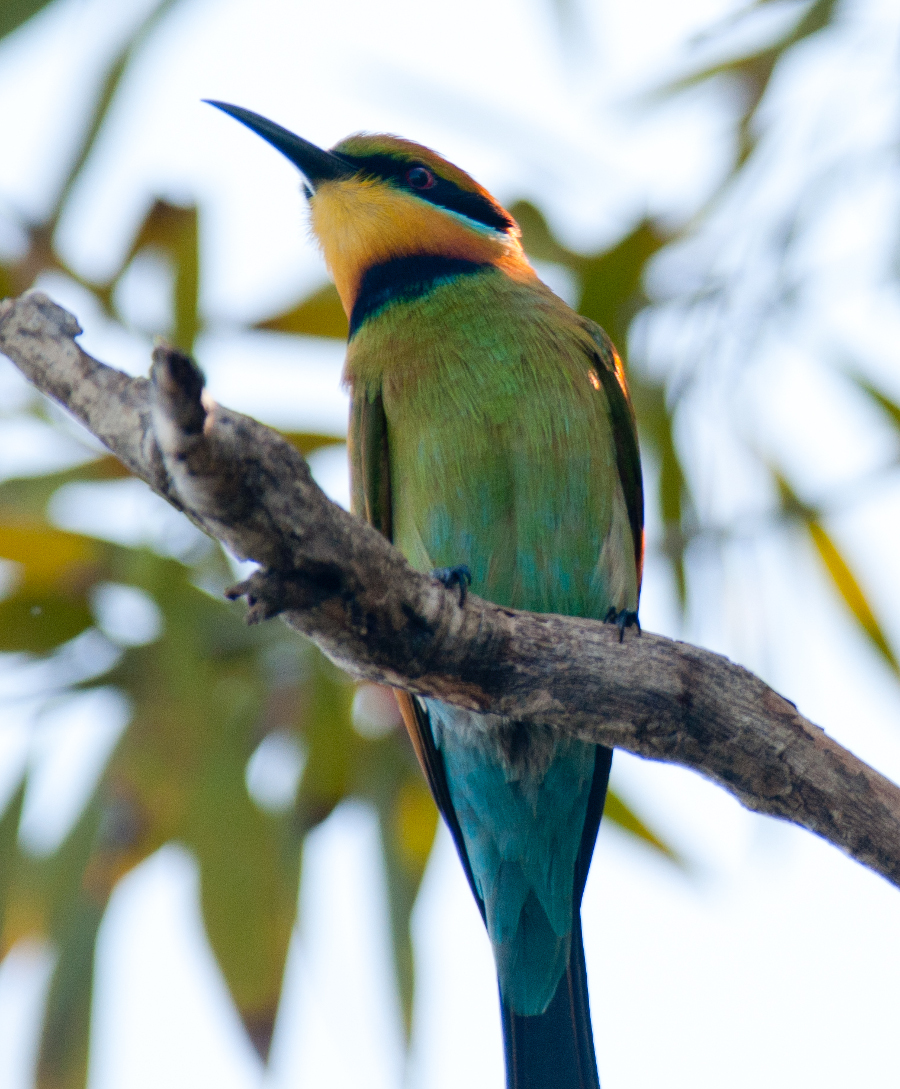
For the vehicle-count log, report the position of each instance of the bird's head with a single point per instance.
(374, 198)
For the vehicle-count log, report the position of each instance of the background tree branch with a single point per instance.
(339, 582)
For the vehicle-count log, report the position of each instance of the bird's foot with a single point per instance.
(459, 576)
(622, 618)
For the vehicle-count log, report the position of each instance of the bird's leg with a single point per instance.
(459, 576)
(623, 619)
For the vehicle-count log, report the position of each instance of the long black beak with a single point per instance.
(315, 164)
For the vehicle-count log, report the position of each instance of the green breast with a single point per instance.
(502, 455)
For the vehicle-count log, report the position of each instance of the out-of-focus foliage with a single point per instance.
(318, 315)
(15, 12)
(208, 695)
(753, 71)
(845, 582)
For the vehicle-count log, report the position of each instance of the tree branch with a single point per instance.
(341, 583)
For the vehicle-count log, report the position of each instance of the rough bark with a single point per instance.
(336, 580)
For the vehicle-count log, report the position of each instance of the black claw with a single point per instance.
(459, 576)
(623, 619)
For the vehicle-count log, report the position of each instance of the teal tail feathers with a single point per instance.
(555, 1050)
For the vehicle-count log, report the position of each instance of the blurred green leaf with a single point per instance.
(324, 724)
(37, 623)
(318, 315)
(63, 1054)
(842, 576)
(249, 865)
(753, 71)
(612, 281)
(13, 13)
(111, 82)
(23, 499)
(199, 699)
(172, 230)
(537, 238)
(890, 408)
(75, 885)
(656, 424)
(407, 819)
(40, 891)
(9, 831)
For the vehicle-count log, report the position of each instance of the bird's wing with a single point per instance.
(608, 367)
(370, 466)
(370, 477)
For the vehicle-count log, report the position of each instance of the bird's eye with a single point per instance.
(419, 177)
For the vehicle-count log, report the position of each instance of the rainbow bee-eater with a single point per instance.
(493, 441)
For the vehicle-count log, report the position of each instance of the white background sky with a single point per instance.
(776, 961)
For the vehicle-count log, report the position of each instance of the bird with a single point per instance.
(492, 439)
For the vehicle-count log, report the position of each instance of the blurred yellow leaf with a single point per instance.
(845, 582)
(6, 282)
(847, 586)
(47, 555)
(308, 441)
(415, 821)
(617, 812)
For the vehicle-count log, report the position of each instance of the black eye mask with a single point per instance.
(443, 193)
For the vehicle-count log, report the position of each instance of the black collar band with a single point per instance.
(404, 279)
